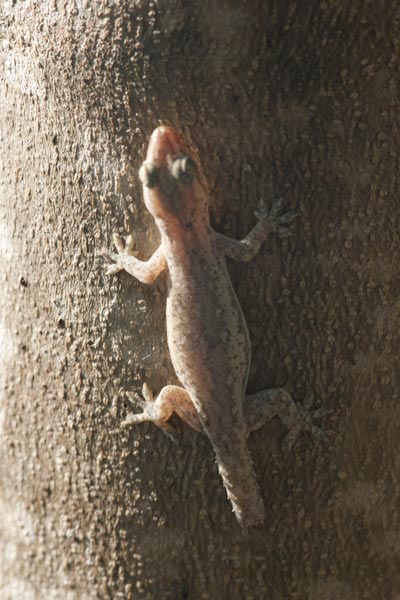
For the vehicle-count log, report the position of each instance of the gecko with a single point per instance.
(207, 335)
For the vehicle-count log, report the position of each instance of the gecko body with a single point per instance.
(207, 334)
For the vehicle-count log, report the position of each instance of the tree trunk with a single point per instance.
(277, 98)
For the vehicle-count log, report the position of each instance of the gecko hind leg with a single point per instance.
(171, 398)
(277, 402)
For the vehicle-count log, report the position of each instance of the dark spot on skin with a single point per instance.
(61, 323)
(23, 282)
(149, 174)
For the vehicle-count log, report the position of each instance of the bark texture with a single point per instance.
(278, 98)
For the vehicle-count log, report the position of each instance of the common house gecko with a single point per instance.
(207, 334)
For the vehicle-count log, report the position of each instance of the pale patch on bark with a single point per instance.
(22, 72)
(7, 351)
(6, 243)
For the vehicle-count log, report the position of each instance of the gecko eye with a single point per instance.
(149, 174)
(183, 169)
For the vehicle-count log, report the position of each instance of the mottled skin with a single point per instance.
(207, 335)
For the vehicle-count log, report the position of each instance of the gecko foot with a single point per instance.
(125, 247)
(152, 411)
(261, 407)
(278, 224)
(306, 417)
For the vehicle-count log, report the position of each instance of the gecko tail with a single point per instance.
(241, 486)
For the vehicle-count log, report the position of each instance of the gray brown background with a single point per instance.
(298, 99)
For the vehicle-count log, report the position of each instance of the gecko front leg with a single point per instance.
(144, 271)
(269, 221)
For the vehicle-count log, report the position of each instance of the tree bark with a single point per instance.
(291, 99)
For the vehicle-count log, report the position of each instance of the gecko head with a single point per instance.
(170, 176)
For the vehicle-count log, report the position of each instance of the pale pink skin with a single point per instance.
(207, 335)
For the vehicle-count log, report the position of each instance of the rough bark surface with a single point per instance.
(279, 98)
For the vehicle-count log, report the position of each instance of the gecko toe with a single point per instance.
(172, 433)
(134, 419)
(276, 208)
(285, 233)
(112, 269)
(119, 243)
(137, 400)
(147, 393)
(105, 254)
(320, 434)
(322, 412)
(288, 217)
(130, 245)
